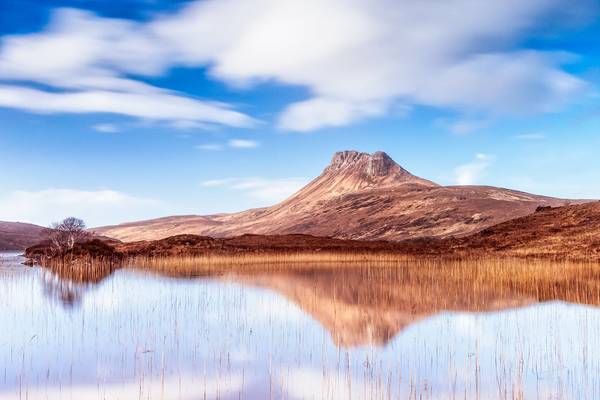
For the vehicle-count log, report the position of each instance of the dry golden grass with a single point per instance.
(92, 271)
(467, 281)
(476, 276)
(262, 261)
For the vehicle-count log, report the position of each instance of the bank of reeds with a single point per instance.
(264, 261)
(542, 280)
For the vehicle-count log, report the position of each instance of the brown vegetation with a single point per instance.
(571, 232)
(19, 236)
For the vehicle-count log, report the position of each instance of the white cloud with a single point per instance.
(356, 58)
(106, 128)
(210, 147)
(103, 207)
(233, 143)
(216, 182)
(243, 144)
(319, 112)
(471, 173)
(157, 104)
(189, 125)
(464, 126)
(271, 190)
(530, 136)
(88, 58)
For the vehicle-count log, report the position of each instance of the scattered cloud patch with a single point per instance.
(101, 207)
(317, 113)
(106, 128)
(217, 182)
(471, 173)
(243, 144)
(464, 126)
(210, 147)
(357, 60)
(271, 190)
(530, 136)
(186, 125)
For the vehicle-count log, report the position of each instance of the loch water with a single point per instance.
(319, 333)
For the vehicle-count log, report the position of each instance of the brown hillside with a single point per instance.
(19, 236)
(562, 232)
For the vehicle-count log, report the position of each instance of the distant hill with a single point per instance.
(562, 232)
(19, 236)
(358, 196)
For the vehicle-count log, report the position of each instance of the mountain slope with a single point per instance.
(563, 232)
(19, 236)
(358, 196)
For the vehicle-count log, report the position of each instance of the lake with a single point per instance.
(353, 332)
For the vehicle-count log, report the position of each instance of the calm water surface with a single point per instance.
(135, 335)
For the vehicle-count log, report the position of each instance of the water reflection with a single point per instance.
(362, 306)
(359, 333)
(68, 286)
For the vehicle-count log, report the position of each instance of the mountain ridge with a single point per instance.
(357, 196)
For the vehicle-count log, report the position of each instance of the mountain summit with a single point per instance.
(370, 170)
(351, 172)
(357, 196)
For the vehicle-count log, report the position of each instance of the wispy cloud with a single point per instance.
(95, 207)
(358, 59)
(463, 126)
(89, 61)
(106, 128)
(210, 147)
(243, 144)
(233, 143)
(318, 112)
(217, 182)
(265, 189)
(530, 136)
(155, 104)
(471, 173)
(191, 125)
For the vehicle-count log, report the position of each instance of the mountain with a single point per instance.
(358, 196)
(19, 236)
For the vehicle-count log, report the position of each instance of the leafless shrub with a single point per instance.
(63, 235)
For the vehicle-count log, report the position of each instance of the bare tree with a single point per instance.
(65, 234)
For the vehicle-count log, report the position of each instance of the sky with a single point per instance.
(120, 111)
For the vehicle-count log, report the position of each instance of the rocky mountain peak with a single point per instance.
(380, 164)
(376, 164)
(351, 171)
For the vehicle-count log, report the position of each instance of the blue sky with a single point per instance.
(117, 111)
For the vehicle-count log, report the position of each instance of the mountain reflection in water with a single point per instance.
(439, 330)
